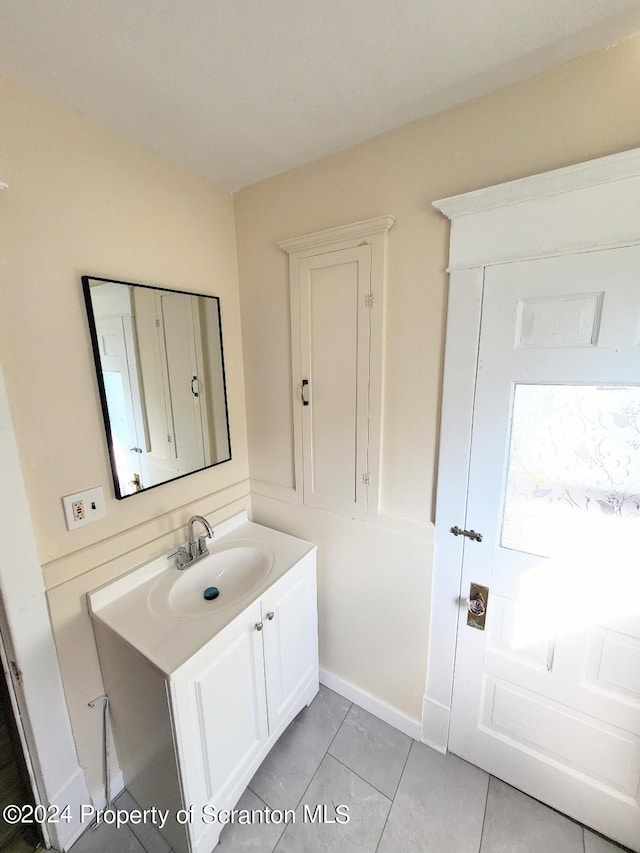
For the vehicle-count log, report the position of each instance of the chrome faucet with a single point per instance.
(198, 547)
(195, 549)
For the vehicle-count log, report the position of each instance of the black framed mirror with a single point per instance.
(160, 368)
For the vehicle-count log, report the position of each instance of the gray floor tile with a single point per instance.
(146, 833)
(372, 749)
(108, 838)
(335, 785)
(595, 844)
(254, 836)
(515, 823)
(285, 773)
(439, 806)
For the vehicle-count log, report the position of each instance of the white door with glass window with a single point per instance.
(548, 696)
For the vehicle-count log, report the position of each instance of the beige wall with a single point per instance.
(582, 110)
(81, 200)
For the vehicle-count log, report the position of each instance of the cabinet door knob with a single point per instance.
(258, 626)
(270, 615)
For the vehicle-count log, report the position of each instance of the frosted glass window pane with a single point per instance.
(575, 449)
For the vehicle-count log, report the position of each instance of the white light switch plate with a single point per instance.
(83, 507)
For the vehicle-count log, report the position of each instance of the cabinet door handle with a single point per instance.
(270, 615)
(258, 626)
(303, 397)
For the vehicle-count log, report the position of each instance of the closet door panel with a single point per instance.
(334, 325)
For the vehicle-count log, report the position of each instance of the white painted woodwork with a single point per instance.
(27, 638)
(463, 328)
(334, 328)
(290, 637)
(579, 208)
(337, 282)
(200, 732)
(510, 717)
(577, 212)
(220, 717)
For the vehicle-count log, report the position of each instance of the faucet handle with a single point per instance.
(182, 557)
(202, 546)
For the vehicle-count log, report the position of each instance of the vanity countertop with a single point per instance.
(125, 605)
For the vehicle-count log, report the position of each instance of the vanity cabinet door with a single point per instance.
(290, 636)
(219, 708)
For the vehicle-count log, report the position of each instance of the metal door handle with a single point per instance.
(195, 390)
(303, 385)
(270, 615)
(477, 605)
(258, 626)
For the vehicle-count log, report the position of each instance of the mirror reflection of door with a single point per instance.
(160, 369)
(183, 375)
(120, 372)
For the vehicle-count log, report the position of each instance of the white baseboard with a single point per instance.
(73, 794)
(385, 712)
(435, 724)
(98, 800)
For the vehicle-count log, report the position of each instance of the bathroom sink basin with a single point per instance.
(236, 571)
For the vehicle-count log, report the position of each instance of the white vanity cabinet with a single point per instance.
(233, 699)
(197, 703)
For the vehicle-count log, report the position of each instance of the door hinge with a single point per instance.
(366, 479)
(17, 672)
(368, 300)
(157, 323)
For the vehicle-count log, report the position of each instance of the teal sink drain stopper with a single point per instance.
(211, 592)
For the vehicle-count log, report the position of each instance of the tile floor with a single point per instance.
(402, 796)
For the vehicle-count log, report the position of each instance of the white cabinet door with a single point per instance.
(334, 339)
(548, 697)
(220, 716)
(290, 637)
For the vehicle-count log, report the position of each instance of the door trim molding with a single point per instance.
(614, 167)
(461, 355)
(28, 640)
(354, 231)
(578, 208)
(582, 208)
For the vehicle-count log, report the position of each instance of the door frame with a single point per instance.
(31, 663)
(582, 208)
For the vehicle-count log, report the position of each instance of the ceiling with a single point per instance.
(239, 90)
